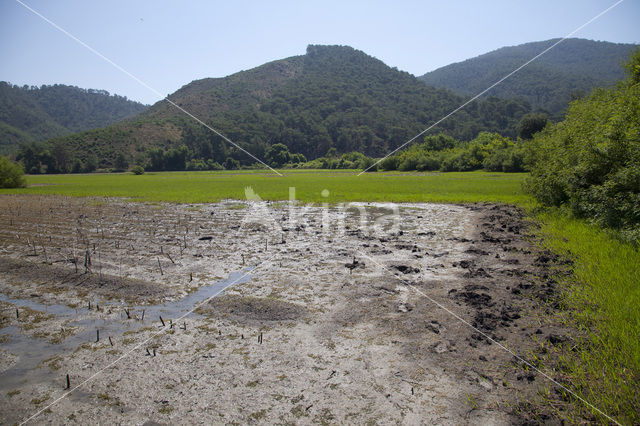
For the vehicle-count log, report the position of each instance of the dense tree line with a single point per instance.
(590, 162)
(39, 158)
(488, 151)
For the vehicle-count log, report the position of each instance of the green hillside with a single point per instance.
(569, 70)
(29, 113)
(333, 96)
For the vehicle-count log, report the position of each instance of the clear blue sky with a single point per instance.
(171, 43)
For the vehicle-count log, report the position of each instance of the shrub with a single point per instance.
(214, 165)
(427, 164)
(231, 164)
(137, 170)
(590, 162)
(11, 174)
(390, 163)
(277, 155)
(531, 124)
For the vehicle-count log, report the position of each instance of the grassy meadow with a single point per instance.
(601, 296)
(343, 185)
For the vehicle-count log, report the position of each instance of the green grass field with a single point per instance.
(343, 185)
(602, 296)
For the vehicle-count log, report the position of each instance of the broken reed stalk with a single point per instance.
(110, 341)
(97, 335)
(162, 321)
(68, 382)
(44, 251)
(159, 266)
(17, 314)
(128, 314)
(142, 319)
(190, 276)
(100, 267)
(87, 260)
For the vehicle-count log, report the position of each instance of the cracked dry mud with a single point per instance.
(332, 327)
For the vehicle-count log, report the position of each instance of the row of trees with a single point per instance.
(201, 149)
(489, 151)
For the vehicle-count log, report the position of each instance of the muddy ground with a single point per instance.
(337, 324)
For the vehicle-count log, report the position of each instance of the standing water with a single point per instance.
(111, 320)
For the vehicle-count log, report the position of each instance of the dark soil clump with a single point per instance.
(253, 308)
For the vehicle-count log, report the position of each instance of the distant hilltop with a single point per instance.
(31, 113)
(571, 69)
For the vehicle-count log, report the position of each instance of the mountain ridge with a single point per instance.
(333, 96)
(571, 69)
(32, 113)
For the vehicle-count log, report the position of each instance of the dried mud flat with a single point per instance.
(333, 324)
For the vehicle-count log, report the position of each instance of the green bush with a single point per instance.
(531, 124)
(490, 151)
(231, 164)
(11, 174)
(214, 165)
(390, 163)
(137, 170)
(590, 162)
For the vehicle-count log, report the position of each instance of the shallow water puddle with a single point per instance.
(111, 321)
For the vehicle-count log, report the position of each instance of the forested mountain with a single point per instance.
(569, 70)
(333, 96)
(29, 113)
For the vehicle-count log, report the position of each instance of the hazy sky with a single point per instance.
(168, 44)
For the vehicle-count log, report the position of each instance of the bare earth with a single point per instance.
(324, 325)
